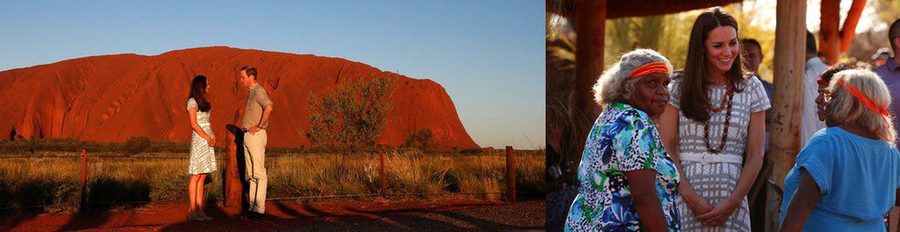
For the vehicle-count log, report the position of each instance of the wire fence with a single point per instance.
(86, 159)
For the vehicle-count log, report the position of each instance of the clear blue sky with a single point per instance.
(488, 55)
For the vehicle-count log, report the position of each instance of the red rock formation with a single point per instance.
(114, 97)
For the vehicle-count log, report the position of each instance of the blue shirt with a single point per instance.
(857, 180)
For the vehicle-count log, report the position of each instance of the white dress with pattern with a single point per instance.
(715, 181)
(203, 157)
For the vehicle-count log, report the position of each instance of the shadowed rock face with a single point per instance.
(114, 97)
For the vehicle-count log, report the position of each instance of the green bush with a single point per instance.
(352, 117)
(422, 139)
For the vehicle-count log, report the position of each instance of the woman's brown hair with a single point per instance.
(694, 86)
(198, 93)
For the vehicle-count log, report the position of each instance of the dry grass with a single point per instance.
(52, 184)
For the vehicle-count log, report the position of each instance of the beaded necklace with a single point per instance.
(729, 96)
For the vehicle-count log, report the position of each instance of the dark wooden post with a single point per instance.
(510, 174)
(233, 183)
(383, 184)
(790, 40)
(84, 198)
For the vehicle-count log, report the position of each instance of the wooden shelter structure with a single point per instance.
(589, 20)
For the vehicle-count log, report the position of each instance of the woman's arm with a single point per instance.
(756, 144)
(193, 116)
(668, 131)
(642, 183)
(801, 204)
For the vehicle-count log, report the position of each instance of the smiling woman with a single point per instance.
(715, 117)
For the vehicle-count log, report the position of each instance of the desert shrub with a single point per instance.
(422, 139)
(352, 117)
(136, 145)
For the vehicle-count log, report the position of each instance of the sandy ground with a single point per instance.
(443, 214)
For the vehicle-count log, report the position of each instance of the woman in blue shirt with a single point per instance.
(847, 176)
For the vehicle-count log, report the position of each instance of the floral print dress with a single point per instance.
(622, 139)
(203, 157)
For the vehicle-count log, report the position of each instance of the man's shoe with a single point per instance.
(250, 215)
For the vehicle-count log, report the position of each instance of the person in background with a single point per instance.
(752, 57)
(809, 122)
(890, 71)
(881, 57)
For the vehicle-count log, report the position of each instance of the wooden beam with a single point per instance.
(790, 40)
(849, 28)
(590, 28)
(829, 34)
(631, 8)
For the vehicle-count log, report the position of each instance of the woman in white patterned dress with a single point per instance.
(714, 127)
(203, 158)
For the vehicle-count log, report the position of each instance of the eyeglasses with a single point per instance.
(825, 94)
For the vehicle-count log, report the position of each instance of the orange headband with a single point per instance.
(650, 68)
(864, 100)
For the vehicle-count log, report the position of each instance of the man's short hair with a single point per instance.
(811, 43)
(893, 33)
(251, 71)
(745, 41)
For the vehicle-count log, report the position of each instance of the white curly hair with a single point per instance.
(845, 108)
(614, 83)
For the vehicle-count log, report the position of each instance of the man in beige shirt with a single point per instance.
(254, 124)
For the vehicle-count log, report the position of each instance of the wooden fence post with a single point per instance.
(383, 184)
(84, 199)
(510, 174)
(233, 183)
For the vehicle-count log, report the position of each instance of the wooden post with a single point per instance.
(84, 199)
(790, 41)
(510, 174)
(381, 171)
(590, 26)
(233, 182)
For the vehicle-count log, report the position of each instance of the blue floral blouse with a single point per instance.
(622, 139)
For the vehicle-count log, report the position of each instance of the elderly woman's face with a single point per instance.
(650, 94)
(721, 48)
(820, 101)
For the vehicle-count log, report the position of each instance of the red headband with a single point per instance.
(864, 100)
(650, 68)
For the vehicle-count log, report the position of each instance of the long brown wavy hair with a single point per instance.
(695, 103)
(198, 93)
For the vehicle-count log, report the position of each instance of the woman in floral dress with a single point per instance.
(628, 182)
(203, 158)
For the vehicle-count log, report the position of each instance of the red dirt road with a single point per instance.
(445, 214)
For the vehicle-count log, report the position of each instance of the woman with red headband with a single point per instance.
(714, 127)
(627, 181)
(846, 178)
